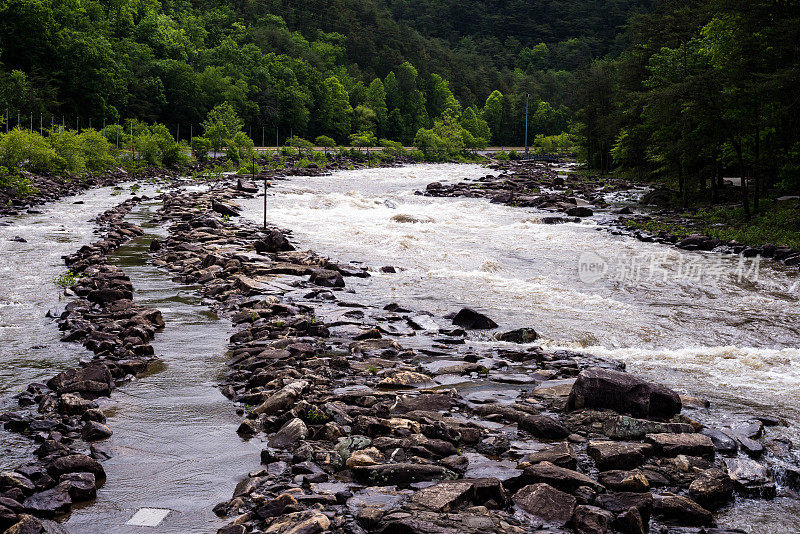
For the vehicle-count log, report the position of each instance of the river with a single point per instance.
(705, 324)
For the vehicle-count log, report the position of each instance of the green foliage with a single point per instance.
(97, 150)
(200, 148)
(65, 279)
(21, 185)
(221, 125)
(155, 146)
(21, 149)
(325, 141)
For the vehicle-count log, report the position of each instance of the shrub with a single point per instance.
(325, 142)
(200, 147)
(96, 149)
(67, 145)
(393, 148)
(23, 149)
(20, 184)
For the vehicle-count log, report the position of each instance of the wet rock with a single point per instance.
(521, 335)
(444, 496)
(723, 443)
(77, 463)
(469, 319)
(7, 517)
(289, 434)
(623, 393)
(11, 480)
(226, 207)
(349, 444)
(681, 510)
(94, 431)
(712, 487)
(580, 211)
(93, 380)
(402, 473)
(273, 241)
(591, 520)
(619, 480)
(49, 503)
(326, 278)
(71, 404)
(427, 402)
(751, 477)
(542, 426)
(622, 502)
(561, 455)
(80, 486)
(246, 186)
(308, 522)
(364, 458)
(283, 399)
(688, 444)
(626, 428)
(546, 503)
(618, 455)
(559, 477)
(404, 379)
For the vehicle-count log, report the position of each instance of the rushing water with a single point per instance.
(706, 324)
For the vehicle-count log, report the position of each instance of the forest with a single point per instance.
(684, 94)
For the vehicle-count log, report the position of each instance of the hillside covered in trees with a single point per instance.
(307, 68)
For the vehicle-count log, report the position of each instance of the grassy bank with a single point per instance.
(777, 222)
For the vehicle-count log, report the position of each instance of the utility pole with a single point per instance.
(262, 136)
(178, 133)
(527, 96)
(41, 128)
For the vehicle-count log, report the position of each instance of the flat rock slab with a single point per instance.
(618, 455)
(546, 503)
(444, 496)
(148, 517)
(688, 444)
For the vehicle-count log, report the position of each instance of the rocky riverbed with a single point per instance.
(377, 419)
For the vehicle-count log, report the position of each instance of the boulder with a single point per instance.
(444, 496)
(559, 477)
(619, 480)
(273, 241)
(688, 444)
(289, 434)
(226, 207)
(246, 186)
(603, 388)
(626, 428)
(405, 379)
(307, 522)
(326, 278)
(622, 502)
(471, 320)
(751, 477)
(49, 503)
(94, 431)
(618, 455)
(546, 503)
(542, 426)
(520, 335)
(94, 380)
(282, 399)
(681, 510)
(80, 486)
(77, 463)
(561, 455)
(591, 520)
(712, 487)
